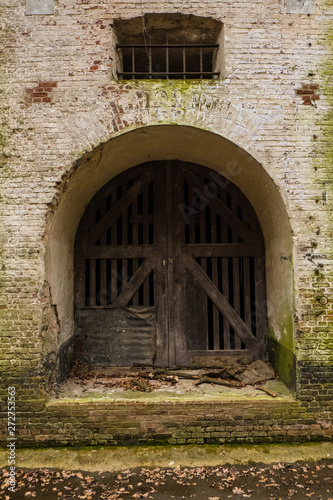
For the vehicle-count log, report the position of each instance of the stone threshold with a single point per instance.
(105, 458)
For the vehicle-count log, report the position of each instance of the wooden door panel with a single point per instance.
(196, 313)
(116, 337)
(201, 196)
(116, 271)
(119, 207)
(222, 304)
(221, 245)
(183, 239)
(130, 289)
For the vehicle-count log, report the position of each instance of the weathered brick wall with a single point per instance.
(59, 103)
(174, 422)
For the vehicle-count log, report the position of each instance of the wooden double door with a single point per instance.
(169, 269)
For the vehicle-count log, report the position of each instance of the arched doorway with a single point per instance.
(169, 268)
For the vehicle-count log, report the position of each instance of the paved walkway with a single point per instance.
(121, 458)
(266, 472)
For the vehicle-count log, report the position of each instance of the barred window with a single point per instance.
(168, 61)
(169, 46)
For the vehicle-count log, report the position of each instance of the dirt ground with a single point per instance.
(227, 381)
(278, 481)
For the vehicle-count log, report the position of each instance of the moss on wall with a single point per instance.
(324, 273)
(284, 361)
(326, 123)
(315, 348)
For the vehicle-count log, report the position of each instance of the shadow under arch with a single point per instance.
(171, 142)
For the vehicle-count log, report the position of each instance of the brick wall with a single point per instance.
(188, 422)
(62, 110)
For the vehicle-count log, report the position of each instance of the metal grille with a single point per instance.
(168, 61)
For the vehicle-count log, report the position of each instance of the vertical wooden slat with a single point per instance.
(196, 315)
(114, 274)
(82, 293)
(102, 292)
(216, 314)
(171, 197)
(124, 230)
(192, 216)
(135, 224)
(151, 239)
(206, 334)
(92, 280)
(247, 291)
(160, 271)
(145, 222)
(230, 239)
(93, 219)
(225, 291)
(176, 274)
(236, 305)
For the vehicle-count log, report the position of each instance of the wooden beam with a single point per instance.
(120, 205)
(219, 206)
(219, 250)
(222, 304)
(134, 284)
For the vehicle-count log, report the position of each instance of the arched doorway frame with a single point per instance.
(193, 145)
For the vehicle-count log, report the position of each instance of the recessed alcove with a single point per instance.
(167, 142)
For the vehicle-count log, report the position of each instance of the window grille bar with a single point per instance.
(133, 62)
(147, 73)
(167, 58)
(172, 45)
(150, 62)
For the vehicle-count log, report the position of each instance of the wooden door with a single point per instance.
(169, 267)
(219, 281)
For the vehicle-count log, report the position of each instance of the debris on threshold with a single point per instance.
(234, 374)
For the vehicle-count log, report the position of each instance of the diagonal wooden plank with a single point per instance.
(222, 304)
(117, 209)
(219, 206)
(134, 284)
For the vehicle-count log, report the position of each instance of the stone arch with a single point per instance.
(168, 142)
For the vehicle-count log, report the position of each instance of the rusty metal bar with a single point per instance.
(167, 58)
(150, 61)
(172, 45)
(133, 62)
(147, 73)
(151, 74)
